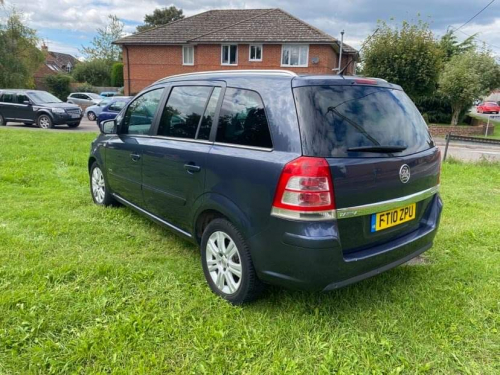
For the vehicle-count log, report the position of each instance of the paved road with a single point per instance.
(469, 151)
(85, 126)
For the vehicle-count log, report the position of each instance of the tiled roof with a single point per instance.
(235, 25)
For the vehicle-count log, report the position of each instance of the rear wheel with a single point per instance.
(91, 116)
(101, 195)
(2, 121)
(45, 122)
(227, 263)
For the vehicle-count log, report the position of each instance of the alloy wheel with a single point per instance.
(44, 122)
(98, 185)
(224, 262)
(91, 116)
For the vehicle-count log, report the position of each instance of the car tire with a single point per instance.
(101, 194)
(2, 121)
(227, 263)
(73, 125)
(91, 116)
(44, 122)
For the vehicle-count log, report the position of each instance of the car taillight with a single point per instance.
(305, 191)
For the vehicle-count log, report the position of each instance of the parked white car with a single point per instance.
(84, 99)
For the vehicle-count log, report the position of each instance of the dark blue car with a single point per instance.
(308, 182)
(112, 109)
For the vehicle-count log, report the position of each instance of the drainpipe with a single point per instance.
(341, 48)
(128, 70)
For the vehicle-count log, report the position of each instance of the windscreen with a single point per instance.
(359, 121)
(41, 97)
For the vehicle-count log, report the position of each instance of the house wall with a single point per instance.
(147, 64)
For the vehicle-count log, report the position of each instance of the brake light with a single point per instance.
(366, 81)
(305, 191)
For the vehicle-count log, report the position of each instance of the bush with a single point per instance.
(85, 87)
(117, 75)
(94, 72)
(436, 109)
(59, 85)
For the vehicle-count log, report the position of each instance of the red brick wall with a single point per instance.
(443, 130)
(150, 63)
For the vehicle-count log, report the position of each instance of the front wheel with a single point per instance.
(45, 122)
(101, 195)
(227, 263)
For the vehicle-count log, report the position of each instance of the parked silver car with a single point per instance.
(84, 99)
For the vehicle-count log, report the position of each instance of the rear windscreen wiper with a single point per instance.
(380, 148)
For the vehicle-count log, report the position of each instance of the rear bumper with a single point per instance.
(309, 255)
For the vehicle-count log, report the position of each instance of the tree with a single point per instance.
(451, 47)
(160, 17)
(466, 77)
(19, 55)
(102, 46)
(407, 55)
(95, 72)
(59, 85)
(117, 75)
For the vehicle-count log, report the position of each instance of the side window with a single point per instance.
(117, 106)
(183, 111)
(242, 120)
(8, 97)
(208, 116)
(21, 98)
(141, 112)
(85, 97)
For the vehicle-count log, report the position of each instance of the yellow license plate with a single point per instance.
(391, 218)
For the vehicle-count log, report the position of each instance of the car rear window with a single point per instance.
(334, 119)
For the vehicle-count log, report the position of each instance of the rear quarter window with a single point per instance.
(334, 119)
(242, 120)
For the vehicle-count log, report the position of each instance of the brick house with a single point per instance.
(230, 39)
(55, 62)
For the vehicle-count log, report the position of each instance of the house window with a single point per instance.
(229, 54)
(255, 52)
(295, 55)
(187, 55)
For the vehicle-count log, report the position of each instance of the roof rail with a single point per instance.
(247, 71)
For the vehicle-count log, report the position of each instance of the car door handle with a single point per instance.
(135, 157)
(191, 168)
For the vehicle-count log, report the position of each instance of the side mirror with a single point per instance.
(27, 102)
(108, 127)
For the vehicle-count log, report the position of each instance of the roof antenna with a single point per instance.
(341, 72)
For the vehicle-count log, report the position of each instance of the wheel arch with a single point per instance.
(212, 206)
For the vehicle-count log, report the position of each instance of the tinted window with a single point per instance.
(117, 106)
(334, 119)
(21, 98)
(183, 111)
(208, 117)
(242, 120)
(141, 112)
(8, 97)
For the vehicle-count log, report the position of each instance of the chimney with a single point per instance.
(44, 47)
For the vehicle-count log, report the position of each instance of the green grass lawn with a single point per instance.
(86, 289)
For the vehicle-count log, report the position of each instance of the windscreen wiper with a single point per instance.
(380, 148)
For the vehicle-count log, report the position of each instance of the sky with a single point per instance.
(66, 25)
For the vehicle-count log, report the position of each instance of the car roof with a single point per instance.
(296, 80)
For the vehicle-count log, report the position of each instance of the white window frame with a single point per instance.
(229, 54)
(285, 46)
(250, 52)
(184, 55)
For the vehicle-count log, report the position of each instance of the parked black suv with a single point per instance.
(37, 107)
(309, 182)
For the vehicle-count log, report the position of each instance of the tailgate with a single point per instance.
(365, 186)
